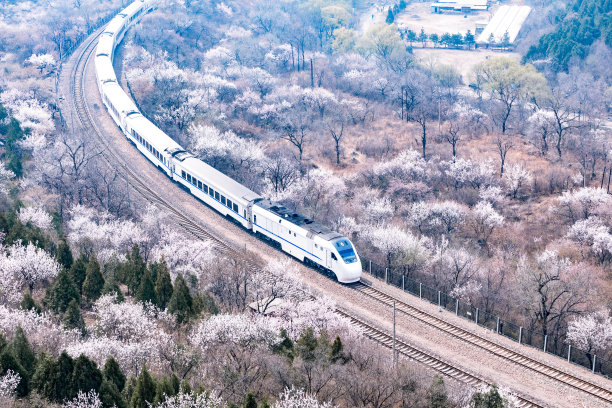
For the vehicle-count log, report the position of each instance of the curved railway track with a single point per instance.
(79, 105)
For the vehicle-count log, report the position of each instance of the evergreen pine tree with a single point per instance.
(61, 293)
(94, 281)
(163, 390)
(45, 376)
(204, 302)
(146, 291)
(110, 395)
(112, 287)
(9, 362)
(144, 392)
(128, 391)
(176, 383)
(3, 342)
(489, 399)
(307, 344)
(163, 285)
(63, 381)
(436, 394)
(112, 372)
(64, 255)
(22, 351)
(185, 387)
(249, 401)
(181, 302)
(336, 350)
(133, 269)
(78, 271)
(28, 303)
(390, 16)
(86, 375)
(73, 318)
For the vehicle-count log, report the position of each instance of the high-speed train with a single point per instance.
(295, 234)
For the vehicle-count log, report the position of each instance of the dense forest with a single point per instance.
(583, 23)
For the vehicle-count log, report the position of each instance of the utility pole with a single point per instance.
(394, 333)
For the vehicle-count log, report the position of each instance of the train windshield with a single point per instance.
(346, 251)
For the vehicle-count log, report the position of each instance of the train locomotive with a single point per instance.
(297, 235)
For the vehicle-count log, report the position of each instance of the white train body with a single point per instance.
(295, 234)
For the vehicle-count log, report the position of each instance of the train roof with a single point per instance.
(219, 180)
(120, 101)
(154, 135)
(115, 24)
(105, 45)
(104, 69)
(130, 10)
(300, 220)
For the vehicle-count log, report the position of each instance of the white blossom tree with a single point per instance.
(8, 386)
(582, 203)
(85, 400)
(35, 215)
(201, 400)
(593, 233)
(592, 332)
(516, 178)
(28, 264)
(397, 246)
(484, 221)
(297, 398)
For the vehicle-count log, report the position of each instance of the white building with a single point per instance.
(508, 19)
(464, 6)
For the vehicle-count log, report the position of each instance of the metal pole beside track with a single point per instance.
(456, 307)
(569, 352)
(594, 360)
(394, 333)
(420, 290)
(545, 341)
(520, 335)
(403, 283)
(386, 275)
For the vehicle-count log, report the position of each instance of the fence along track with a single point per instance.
(77, 84)
(494, 348)
(423, 357)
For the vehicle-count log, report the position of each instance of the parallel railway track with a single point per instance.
(481, 342)
(79, 105)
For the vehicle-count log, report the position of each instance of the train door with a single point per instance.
(328, 260)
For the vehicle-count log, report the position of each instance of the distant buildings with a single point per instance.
(464, 6)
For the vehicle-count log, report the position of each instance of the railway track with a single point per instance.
(479, 341)
(79, 105)
(425, 358)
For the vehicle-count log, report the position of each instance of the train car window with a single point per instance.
(334, 257)
(235, 207)
(229, 203)
(183, 173)
(189, 177)
(223, 200)
(199, 184)
(217, 195)
(205, 188)
(254, 218)
(211, 192)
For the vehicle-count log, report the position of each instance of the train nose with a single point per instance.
(351, 273)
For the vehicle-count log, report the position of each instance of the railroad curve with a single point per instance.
(86, 119)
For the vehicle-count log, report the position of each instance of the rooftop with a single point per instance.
(299, 220)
